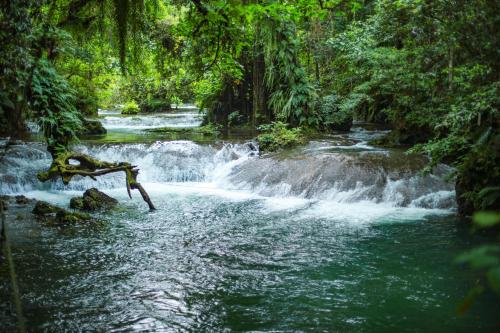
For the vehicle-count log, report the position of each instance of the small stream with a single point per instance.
(335, 235)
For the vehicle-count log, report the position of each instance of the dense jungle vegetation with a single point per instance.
(283, 70)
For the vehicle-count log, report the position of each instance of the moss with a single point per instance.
(43, 208)
(277, 136)
(76, 203)
(51, 214)
(95, 200)
(65, 217)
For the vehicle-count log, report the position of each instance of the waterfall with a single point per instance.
(377, 177)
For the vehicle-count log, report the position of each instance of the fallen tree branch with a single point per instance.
(90, 167)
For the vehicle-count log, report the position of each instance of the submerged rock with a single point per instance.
(93, 200)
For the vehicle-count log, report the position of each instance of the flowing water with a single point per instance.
(333, 236)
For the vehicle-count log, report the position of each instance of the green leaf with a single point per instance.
(486, 219)
(484, 256)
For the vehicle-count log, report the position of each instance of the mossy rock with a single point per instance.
(51, 214)
(43, 208)
(93, 200)
(76, 203)
(65, 217)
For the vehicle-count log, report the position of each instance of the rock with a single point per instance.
(53, 214)
(76, 203)
(43, 208)
(22, 200)
(65, 217)
(92, 127)
(93, 200)
(4, 197)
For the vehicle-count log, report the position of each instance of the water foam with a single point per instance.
(361, 186)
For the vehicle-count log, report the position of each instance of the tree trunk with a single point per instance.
(259, 105)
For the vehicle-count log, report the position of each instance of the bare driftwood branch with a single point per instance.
(91, 167)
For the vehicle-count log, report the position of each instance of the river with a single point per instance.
(336, 235)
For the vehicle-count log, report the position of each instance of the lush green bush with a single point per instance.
(131, 108)
(276, 136)
(332, 114)
(53, 102)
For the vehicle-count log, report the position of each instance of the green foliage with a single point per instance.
(485, 219)
(485, 259)
(412, 66)
(131, 107)
(16, 29)
(427, 69)
(277, 136)
(53, 102)
(291, 93)
(236, 118)
(333, 114)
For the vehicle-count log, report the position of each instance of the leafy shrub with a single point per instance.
(333, 115)
(285, 77)
(131, 108)
(277, 136)
(53, 101)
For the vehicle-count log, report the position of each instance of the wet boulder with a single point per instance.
(93, 200)
(55, 215)
(65, 217)
(22, 200)
(43, 208)
(76, 203)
